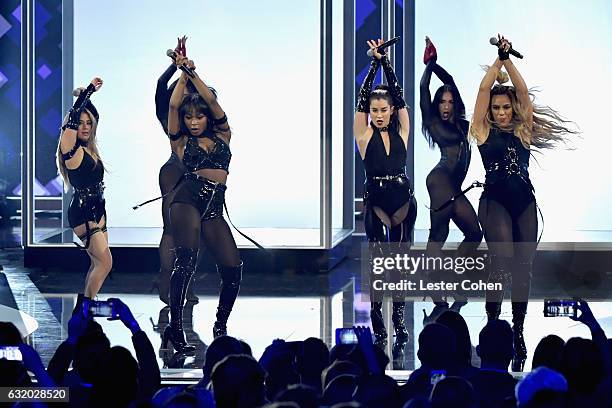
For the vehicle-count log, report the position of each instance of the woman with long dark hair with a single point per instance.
(80, 165)
(506, 126)
(199, 125)
(445, 126)
(169, 175)
(381, 127)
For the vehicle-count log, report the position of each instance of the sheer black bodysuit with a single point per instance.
(508, 215)
(446, 178)
(169, 175)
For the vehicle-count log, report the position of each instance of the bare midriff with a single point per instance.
(216, 175)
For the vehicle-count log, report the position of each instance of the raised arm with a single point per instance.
(522, 92)
(447, 79)
(220, 124)
(425, 99)
(397, 94)
(68, 138)
(360, 121)
(162, 99)
(482, 102)
(443, 75)
(174, 124)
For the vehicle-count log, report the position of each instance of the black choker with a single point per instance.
(383, 129)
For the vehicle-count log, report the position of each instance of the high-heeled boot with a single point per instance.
(401, 334)
(191, 297)
(378, 324)
(231, 276)
(493, 310)
(184, 268)
(162, 283)
(499, 273)
(519, 310)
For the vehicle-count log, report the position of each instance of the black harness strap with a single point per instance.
(456, 196)
(240, 232)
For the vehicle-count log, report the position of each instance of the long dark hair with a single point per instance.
(457, 119)
(381, 91)
(195, 104)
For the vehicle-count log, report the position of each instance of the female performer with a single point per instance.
(199, 125)
(389, 201)
(506, 124)
(80, 165)
(169, 175)
(444, 125)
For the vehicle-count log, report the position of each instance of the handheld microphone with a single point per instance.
(382, 46)
(172, 54)
(511, 51)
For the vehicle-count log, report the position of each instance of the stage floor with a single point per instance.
(289, 306)
(305, 238)
(294, 238)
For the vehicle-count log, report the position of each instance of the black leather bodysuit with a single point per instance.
(506, 162)
(387, 185)
(88, 202)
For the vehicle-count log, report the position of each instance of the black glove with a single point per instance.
(394, 87)
(503, 55)
(74, 116)
(363, 99)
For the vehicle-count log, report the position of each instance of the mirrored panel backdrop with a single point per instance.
(263, 59)
(568, 186)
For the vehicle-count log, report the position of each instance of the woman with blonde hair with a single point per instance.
(80, 165)
(506, 125)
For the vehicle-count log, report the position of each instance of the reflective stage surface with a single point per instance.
(288, 306)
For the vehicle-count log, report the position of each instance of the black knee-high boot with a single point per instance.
(376, 250)
(498, 273)
(401, 334)
(519, 310)
(378, 324)
(231, 276)
(521, 285)
(184, 268)
(162, 283)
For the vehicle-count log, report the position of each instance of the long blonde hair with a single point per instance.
(92, 146)
(548, 129)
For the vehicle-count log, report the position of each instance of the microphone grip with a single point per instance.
(515, 53)
(188, 71)
(172, 54)
(370, 52)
